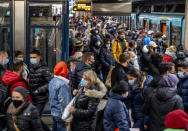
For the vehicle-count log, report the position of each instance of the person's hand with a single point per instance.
(71, 109)
(36, 92)
(145, 127)
(75, 92)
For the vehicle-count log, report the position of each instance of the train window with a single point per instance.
(49, 42)
(175, 35)
(4, 39)
(45, 14)
(4, 13)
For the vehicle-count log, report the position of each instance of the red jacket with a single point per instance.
(167, 58)
(12, 80)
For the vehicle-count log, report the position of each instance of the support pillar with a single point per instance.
(185, 43)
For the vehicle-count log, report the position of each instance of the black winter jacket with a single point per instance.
(161, 103)
(84, 115)
(39, 78)
(26, 120)
(81, 67)
(107, 60)
(119, 73)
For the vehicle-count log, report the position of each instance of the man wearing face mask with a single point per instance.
(22, 115)
(13, 79)
(40, 76)
(81, 67)
(119, 45)
(20, 56)
(183, 84)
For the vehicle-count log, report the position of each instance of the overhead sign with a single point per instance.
(82, 7)
(111, 7)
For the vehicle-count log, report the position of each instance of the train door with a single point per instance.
(145, 25)
(165, 29)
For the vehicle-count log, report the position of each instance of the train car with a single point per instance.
(170, 25)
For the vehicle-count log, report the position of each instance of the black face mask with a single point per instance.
(17, 103)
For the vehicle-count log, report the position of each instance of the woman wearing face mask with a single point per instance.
(22, 115)
(137, 82)
(106, 58)
(87, 100)
(116, 114)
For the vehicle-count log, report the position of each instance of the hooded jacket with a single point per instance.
(116, 114)
(86, 104)
(81, 67)
(12, 80)
(183, 91)
(161, 103)
(39, 79)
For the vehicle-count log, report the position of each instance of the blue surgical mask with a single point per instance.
(108, 46)
(6, 62)
(33, 61)
(160, 40)
(98, 43)
(83, 83)
(127, 94)
(180, 74)
(20, 59)
(131, 82)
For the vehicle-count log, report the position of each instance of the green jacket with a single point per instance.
(174, 129)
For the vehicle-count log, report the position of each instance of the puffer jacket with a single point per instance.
(60, 95)
(86, 104)
(13, 80)
(107, 60)
(117, 49)
(81, 67)
(116, 114)
(164, 101)
(119, 73)
(39, 79)
(183, 91)
(27, 119)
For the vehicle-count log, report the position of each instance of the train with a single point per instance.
(171, 25)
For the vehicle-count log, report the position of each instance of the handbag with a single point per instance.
(67, 116)
(108, 79)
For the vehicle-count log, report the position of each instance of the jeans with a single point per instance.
(2, 123)
(58, 124)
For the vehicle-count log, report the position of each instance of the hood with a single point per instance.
(62, 78)
(61, 69)
(165, 93)
(177, 119)
(117, 96)
(97, 93)
(173, 55)
(81, 66)
(10, 77)
(169, 80)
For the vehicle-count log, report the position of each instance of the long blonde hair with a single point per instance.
(92, 76)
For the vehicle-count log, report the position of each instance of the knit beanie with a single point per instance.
(22, 91)
(177, 119)
(169, 80)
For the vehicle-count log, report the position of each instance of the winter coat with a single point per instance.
(12, 80)
(59, 95)
(148, 39)
(81, 67)
(107, 60)
(119, 73)
(117, 49)
(167, 58)
(27, 118)
(159, 105)
(39, 79)
(116, 114)
(85, 110)
(183, 91)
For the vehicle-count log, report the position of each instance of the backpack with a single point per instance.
(5, 99)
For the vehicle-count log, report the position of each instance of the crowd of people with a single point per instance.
(116, 79)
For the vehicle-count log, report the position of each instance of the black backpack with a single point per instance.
(5, 98)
